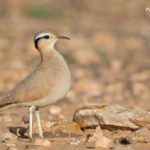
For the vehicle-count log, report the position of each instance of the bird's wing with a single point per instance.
(6, 101)
(36, 86)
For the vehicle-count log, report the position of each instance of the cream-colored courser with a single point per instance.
(48, 83)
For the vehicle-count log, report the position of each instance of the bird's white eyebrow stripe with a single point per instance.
(41, 35)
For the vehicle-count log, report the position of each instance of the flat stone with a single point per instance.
(112, 117)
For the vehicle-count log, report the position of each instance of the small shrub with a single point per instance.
(39, 11)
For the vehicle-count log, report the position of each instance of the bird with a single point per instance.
(47, 83)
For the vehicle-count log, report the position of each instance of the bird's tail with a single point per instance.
(6, 102)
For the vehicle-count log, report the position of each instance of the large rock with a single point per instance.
(112, 117)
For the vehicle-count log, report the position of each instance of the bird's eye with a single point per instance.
(46, 37)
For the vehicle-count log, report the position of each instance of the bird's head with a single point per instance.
(46, 40)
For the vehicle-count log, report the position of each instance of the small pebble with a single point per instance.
(139, 136)
(75, 143)
(123, 148)
(100, 140)
(55, 110)
(62, 116)
(11, 145)
(49, 124)
(8, 136)
(42, 142)
(11, 148)
(104, 142)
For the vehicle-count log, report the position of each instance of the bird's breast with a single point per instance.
(54, 80)
(59, 81)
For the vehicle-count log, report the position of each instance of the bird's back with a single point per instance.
(44, 81)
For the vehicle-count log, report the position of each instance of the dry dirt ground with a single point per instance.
(109, 59)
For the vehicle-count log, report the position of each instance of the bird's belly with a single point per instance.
(56, 94)
(59, 93)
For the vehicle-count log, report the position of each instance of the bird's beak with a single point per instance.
(63, 37)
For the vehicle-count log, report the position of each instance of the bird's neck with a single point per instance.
(50, 54)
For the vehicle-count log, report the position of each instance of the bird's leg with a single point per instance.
(38, 122)
(31, 109)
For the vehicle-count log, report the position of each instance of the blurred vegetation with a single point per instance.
(42, 11)
(103, 56)
(2, 12)
(70, 58)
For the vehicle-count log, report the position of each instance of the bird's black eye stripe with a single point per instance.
(46, 37)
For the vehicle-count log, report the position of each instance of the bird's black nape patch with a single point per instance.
(42, 37)
(36, 43)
